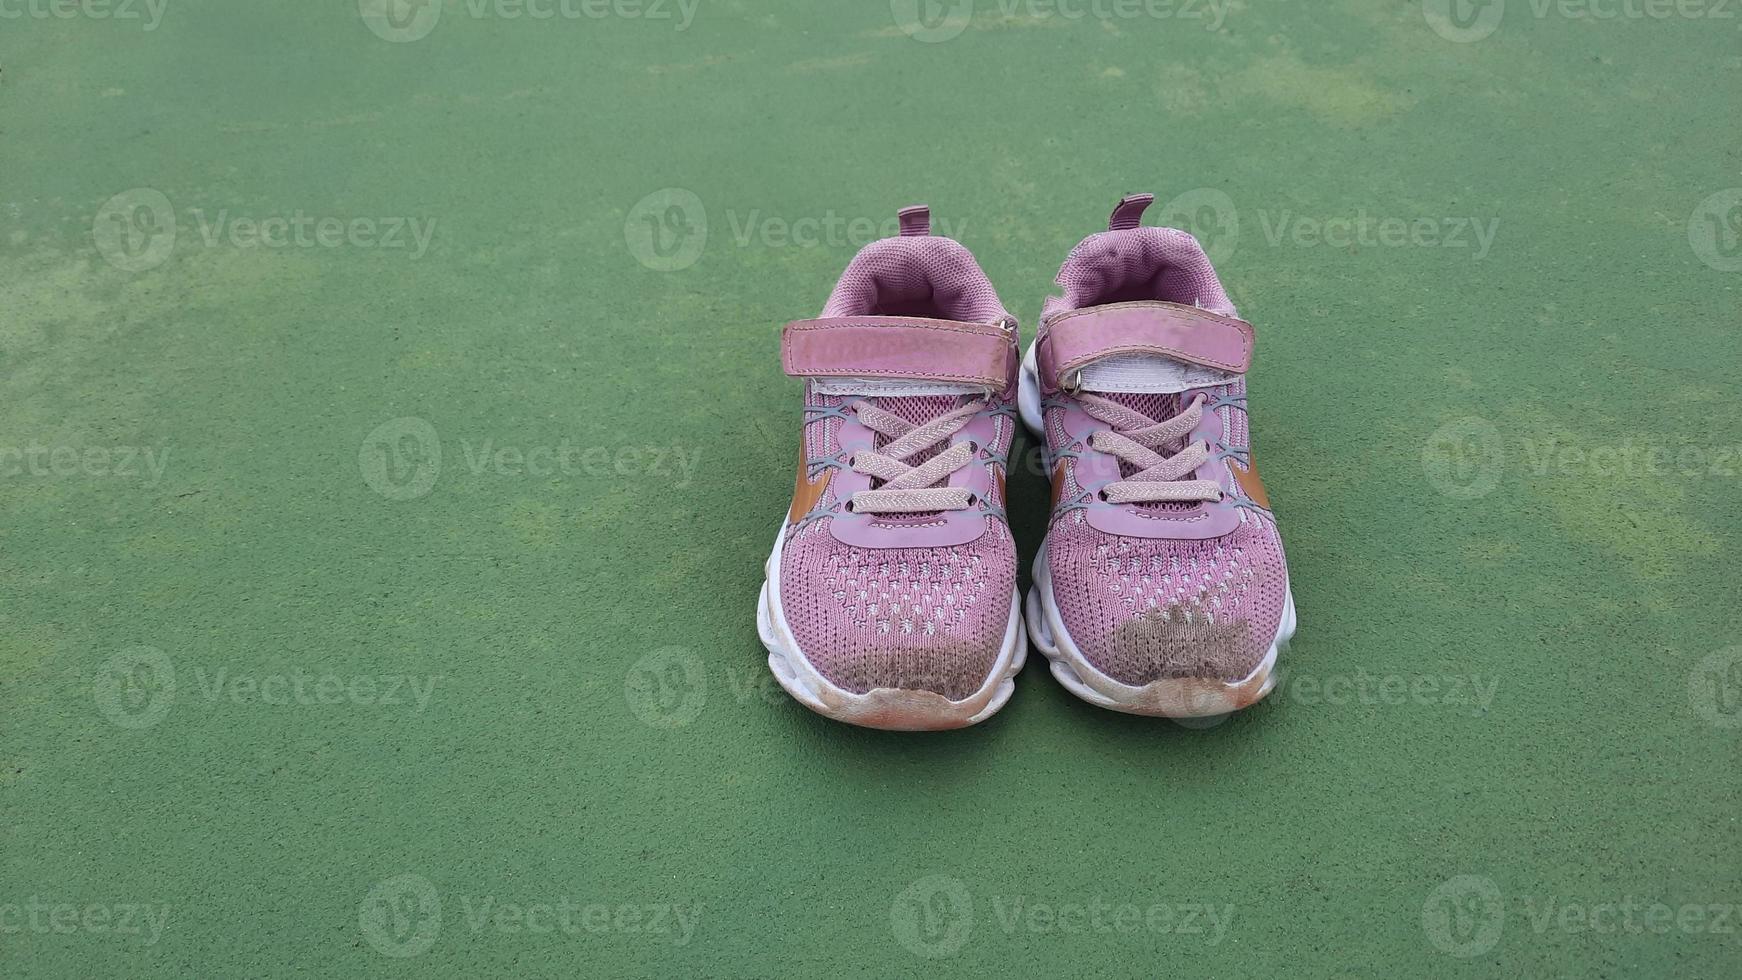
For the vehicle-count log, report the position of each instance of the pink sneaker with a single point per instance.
(1161, 588)
(891, 596)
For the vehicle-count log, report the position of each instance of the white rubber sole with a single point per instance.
(885, 708)
(1181, 697)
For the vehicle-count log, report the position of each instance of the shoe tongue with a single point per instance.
(1157, 406)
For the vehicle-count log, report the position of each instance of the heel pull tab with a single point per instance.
(915, 220)
(1129, 212)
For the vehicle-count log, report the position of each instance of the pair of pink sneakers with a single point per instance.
(1161, 588)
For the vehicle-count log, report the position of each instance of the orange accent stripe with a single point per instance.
(1250, 483)
(806, 492)
(1058, 482)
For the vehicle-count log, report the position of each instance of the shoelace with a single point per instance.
(908, 489)
(1136, 439)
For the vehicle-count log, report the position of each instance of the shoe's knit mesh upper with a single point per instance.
(929, 619)
(912, 618)
(1144, 609)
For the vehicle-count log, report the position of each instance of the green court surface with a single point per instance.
(393, 434)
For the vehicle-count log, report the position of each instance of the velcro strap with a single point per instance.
(910, 348)
(1079, 338)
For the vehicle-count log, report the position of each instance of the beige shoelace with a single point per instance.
(909, 489)
(1159, 478)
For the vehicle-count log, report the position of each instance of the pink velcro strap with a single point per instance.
(1079, 338)
(910, 348)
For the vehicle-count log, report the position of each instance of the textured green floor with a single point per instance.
(268, 708)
